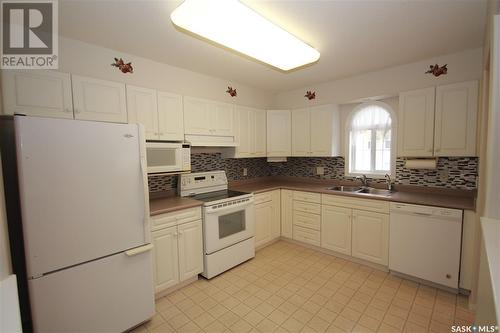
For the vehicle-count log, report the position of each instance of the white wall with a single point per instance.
(463, 66)
(90, 60)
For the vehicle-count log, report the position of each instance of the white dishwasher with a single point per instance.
(425, 242)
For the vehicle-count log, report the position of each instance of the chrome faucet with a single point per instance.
(388, 181)
(363, 180)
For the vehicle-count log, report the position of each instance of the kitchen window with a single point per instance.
(370, 137)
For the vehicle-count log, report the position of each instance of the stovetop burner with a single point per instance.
(217, 195)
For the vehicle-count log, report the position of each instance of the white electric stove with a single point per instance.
(228, 220)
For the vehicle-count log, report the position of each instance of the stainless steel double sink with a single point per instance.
(361, 190)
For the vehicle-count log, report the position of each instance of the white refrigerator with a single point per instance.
(84, 206)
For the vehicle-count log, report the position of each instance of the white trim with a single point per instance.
(347, 130)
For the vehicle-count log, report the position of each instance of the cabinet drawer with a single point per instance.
(378, 206)
(174, 218)
(307, 196)
(307, 220)
(263, 197)
(307, 207)
(305, 235)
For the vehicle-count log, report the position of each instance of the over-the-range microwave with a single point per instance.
(168, 157)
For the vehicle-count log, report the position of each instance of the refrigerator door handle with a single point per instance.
(139, 250)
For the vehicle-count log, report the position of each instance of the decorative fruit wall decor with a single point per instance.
(436, 70)
(310, 95)
(232, 91)
(122, 66)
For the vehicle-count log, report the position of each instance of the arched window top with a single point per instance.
(370, 140)
(371, 116)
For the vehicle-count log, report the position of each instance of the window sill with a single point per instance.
(368, 175)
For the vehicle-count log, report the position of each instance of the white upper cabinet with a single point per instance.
(197, 119)
(37, 93)
(456, 118)
(100, 100)
(208, 123)
(325, 130)
(438, 121)
(221, 116)
(316, 131)
(260, 133)
(279, 133)
(301, 132)
(170, 116)
(142, 108)
(416, 122)
(160, 113)
(250, 132)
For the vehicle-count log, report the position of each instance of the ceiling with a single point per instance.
(353, 36)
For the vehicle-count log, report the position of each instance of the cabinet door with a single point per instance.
(99, 100)
(276, 217)
(196, 116)
(170, 117)
(456, 118)
(260, 133)
(37, 93)
(221, 115)
(336, 229)
(165, 258)
(301, 132)
(142, 108)
(416, 123)
(325, 131)
(242, 131)
(370, 236)
(279, 134)
(190, 250)
(286, 213)
(263, 217)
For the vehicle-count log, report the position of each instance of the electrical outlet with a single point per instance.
(245, 172)
(320, 171)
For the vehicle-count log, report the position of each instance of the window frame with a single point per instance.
(347, 140)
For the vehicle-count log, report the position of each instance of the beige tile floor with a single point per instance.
(290, 288)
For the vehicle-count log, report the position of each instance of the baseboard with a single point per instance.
(337, 254)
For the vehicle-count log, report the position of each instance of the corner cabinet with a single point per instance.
(208, 122)
(279, 133)
(438, 121)
(267, 217)
(286, 213)
(316, 131)
(250, 132)
(99, 100)
(160, 112)
(37, 93)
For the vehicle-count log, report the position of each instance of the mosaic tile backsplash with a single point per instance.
(451, 172)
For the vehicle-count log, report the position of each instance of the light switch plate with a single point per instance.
(320, 170)
(245, 172)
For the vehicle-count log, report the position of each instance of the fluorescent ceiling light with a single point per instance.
(234, 25)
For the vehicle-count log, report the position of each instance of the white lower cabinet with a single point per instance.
(166, 258)
(190, 245)
(370, 236)
(286, 213)
(336, 229)
(267, 217)
(178, 249)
